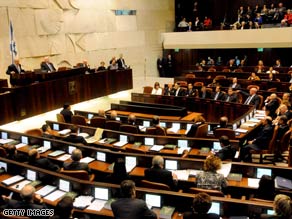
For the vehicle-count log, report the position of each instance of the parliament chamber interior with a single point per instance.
(146, 109)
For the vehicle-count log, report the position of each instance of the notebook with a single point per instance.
(97, 136)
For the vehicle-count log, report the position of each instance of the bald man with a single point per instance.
(76, 164)
(253, 98)
(47, 66)
(13, 69)
(271, 105)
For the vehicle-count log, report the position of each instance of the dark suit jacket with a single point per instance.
(232, 99)
(75, 139)
(12, 68)
(192, 215)
(120, 63)
(264, 136)
(181, 92)
(288, 114)
(207, 95)
(67, 115)
(236, 87)
(156, 174)
(255, 101)
(45, 163)
(282, 129)
(193, 129)
(272, 106)
(45, 67)
(226, 153)
(76, 165)
(191, 93)
(101, 68)
(129, 208)
(220, 96)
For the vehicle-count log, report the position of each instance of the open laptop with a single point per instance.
(89, 115)
(216, 146)
(130, 162)
(171, 164)
(122, 141)
(32, 176)
(263, 171)
(46, 146)
(215, 208)
(64, 188)
(181, 143)
(101, 156)
(149, 141)
(56, 127)
(153, 200)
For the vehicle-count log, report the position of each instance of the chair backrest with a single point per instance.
(238, 70)
(211, 192)
(226, 70)
(98, 122)
(78, 120)
(260, 106)
(147, 89)
(150, 131)
(285, 140)
(129, 129)
(80, 174)
(253, 86)
(182, 83)
(113, 125)
(273, 140)
(273, 89)
(190, 75)
(224, 131)
(154, 185)
(211, 69)
(199, 84)
(34, 132)
(60, 117)
(3, 152)
(160, 130)
(202, 131)
(219, 77)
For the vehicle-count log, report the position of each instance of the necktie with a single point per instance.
(227, 100)
(216, 96)
(50, 67)
(176, 93)
(248, 100)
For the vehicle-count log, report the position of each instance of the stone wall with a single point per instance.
(72, 30)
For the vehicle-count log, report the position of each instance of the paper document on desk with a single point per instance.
(181, 150)
(55, 195)
(64, 132)
(241, 130)
(182, 174)
(254, 120)
(20, 185)
(64, 157)
(82, 201)
(156, 147)
(5, 141)
(225, 169)
(86, 160)
(120, 143)
(96, 205)
(46, 190)
(20, 145)
(253, 182)
(83, 134)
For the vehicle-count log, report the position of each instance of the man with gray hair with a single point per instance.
(157, 174)
(76, 164)
(253, 98)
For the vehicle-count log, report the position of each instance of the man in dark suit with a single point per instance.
(260, 142)
(76, 164)
(67, 113)
(218, 95)
(157, 174)
(128, 206)
(121, 62)
(13, 69)
(204, 94)
(234, 84)
(228, 151)
(73, 137)
(271, 105)
(178, 90)
(28, 197)
(285, 111)
(35, 159)
(253, 98)
(191, 91)
(169, 90)
(231, 96)
(160, 63)
(47, 66)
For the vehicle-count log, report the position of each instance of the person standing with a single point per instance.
(47, 66)
(169, 66)
(160, 66)
(13, 69)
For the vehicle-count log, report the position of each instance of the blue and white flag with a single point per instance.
(13, 48)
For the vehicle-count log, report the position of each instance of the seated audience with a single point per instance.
(47, 131)
(287, 20)
(266, 183)
(261, 142)
(282, 207)
(132, 119)
(183, 25)
(222, 123)
(283, 110)
(67, 113)
(178, 91)
(73, 136)
(101, 113)
(75, 164)
(213, 84)
(253, 77)
(286, 100)
(13, 154)
(121, 62)
(228, 151)
(47, 66)
(234, 84)
(207, 23)
(231, 96)
(35, 159)
(204, 94)
(191, 91)
(201, 205)
(128, 206)
(271, 105)
(64, 208)
(282, 127)
(157, 90)
(271, 70)
(101, 67)
(113, 65)
(119, 172)
(157, 174)
(253, 98)
(198, 120)
(210, 179)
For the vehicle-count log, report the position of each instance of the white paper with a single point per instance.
(20, 185)
(156, 147)
(55, 195)
(64, 132)
(64, 157)
(46, 190)
(241, 130)
(86, 160)
(181, 150)
(182, 174)
(120, 143)
(20, 145)
(83, 134)
(253, 182)
(5, 141)
(96, 205)
(82, 201)
(13, 179)
(194, 172)
(225, 169)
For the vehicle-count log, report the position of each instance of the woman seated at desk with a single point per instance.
(157, 90)
(210, 179)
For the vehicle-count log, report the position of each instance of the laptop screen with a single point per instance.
(3, 165)
(146, 123)
(270, 212)
(4, 135)
(215, 208)
(216, 145)
(24, 139)
(189, 126)
(89, 115)
(176, 126)
(247, 118)
(131, 161)
(64, 185)
(242, 121)
(101, 193)
(171, 164)
(162, 124)
(149, 141)
(182, 143)
(234, 126)
(124, 138)
(71, 149)
(153, 200)
(56, 127)
(47, 144)
(31, 175)
(118, 118)
(263, 171)
(101, 156)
